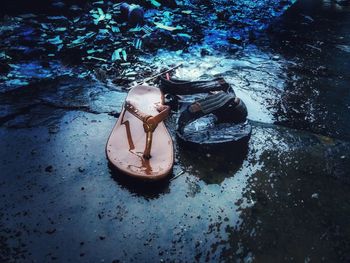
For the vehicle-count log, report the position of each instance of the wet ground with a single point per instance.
(284, 197)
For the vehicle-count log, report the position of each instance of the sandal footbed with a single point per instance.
(126, 143)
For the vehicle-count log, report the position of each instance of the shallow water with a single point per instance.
(284, 197)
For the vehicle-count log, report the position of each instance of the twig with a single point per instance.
(316, 48)
(96, 58)
(178, 175)
(159, 74)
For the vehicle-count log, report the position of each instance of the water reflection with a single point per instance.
(319, 72)
(212, 164)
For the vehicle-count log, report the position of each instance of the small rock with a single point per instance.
(314, 195)
(322, 68)
(81, 169)
(236, 39)
(114, 114)
(204, 52)
(51, 231)
(58, 4)
(343, 2)
(54, 129)
(223, 15)
(134, 14)
(49, 169)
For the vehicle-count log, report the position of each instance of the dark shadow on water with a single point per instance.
(146, 189)
(314, 35)
(213, 164)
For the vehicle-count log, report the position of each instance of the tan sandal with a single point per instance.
(140, 144)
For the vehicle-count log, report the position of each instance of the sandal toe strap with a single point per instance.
(150, 122)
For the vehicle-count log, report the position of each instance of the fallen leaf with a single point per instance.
(55, 41)
(184, 35)
(124, 55)
(116, 54)
(169, 28)
(115, 29)
(155, 3)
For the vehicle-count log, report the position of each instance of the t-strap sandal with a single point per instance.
(228, 126)
(140, 144)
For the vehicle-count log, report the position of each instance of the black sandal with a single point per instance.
(225, 115)
(227, 124)
(184, 87)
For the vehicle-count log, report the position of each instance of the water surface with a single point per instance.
(284, 197)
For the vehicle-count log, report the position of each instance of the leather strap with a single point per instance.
(202, 107)
(150, 123)
(184, 87)
(212, 102)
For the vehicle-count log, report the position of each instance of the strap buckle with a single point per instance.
(149, 127)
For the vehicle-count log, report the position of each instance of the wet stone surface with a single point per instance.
(282, 197)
